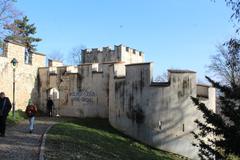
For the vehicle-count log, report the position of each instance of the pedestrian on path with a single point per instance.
(31, 111)
(50, 105)
(5, 107)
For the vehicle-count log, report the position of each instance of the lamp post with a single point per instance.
(14, 65)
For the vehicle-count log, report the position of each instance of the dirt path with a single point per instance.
(19, 144)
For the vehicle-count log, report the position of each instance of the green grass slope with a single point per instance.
(95, 139)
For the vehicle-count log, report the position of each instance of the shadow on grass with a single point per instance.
(96, 139)
(96, 123)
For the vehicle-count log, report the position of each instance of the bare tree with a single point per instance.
(162, 78)
(226, 64)
(224, 124)
(8, 13)
(75, 55)
(235, 6)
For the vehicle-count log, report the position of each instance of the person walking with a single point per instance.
(31, 111)
(5, 107)
(50, 105)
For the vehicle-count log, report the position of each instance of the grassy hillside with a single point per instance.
(95, 139)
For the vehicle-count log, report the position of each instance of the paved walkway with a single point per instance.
(19, 144)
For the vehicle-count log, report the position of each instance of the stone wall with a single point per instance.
(26, 74)
(120, 53)
(119, 88)
(83, 90)
(159, 114)
(54, 63)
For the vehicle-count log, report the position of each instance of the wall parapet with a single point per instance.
(20, 44)
(135, 64)
(180, 71)
(203, 90)
(108, 54)
(160, 114)
(116, 49)
(54, 63)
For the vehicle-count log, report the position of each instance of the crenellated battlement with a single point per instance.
(133, 51)
(91, 51)
(108, 54)
(116, 49)
(160, 114)
(113, 83)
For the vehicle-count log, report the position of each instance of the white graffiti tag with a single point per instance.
(84, 95)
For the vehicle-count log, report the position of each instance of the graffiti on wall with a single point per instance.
(84, 95)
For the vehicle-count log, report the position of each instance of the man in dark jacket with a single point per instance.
(50, 105)
(5, 107)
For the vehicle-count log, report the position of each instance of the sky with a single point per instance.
(174, 34)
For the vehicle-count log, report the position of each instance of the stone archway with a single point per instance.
(54, 94)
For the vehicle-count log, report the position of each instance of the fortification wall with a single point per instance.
(105, 54)
(83, 90)
(54, 63)
(25, 75)
(130, 55)
(118, 54)
(159, 114)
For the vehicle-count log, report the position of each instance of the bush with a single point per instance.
(19, 116)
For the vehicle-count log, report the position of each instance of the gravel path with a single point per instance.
(19, 144)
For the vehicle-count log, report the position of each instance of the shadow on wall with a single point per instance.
(172, 128)
(174, 132)
(35, 96)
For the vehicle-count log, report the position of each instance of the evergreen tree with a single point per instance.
(218, 134)
(21, 32)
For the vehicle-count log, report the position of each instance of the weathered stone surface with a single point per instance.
(159, 114)
(25, 76)
(114, 84)
(118, 54)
